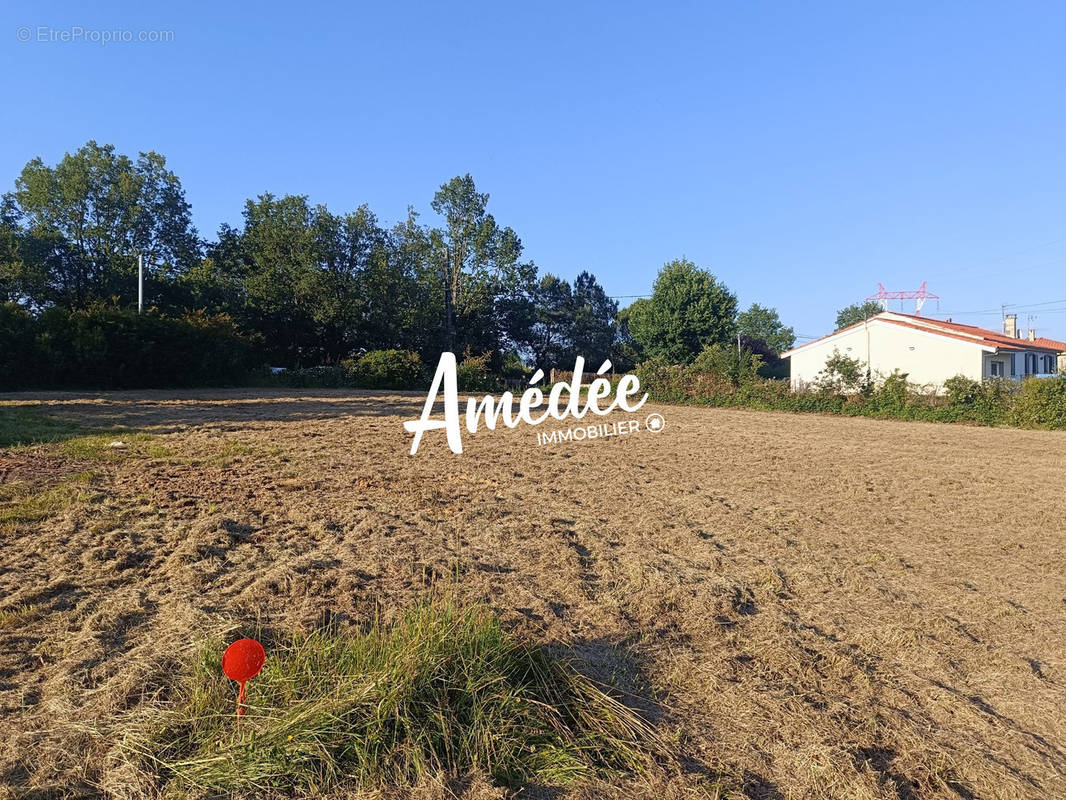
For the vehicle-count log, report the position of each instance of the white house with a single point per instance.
(930, 351)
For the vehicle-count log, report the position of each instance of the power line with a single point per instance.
(1001, 308)
(1034, 305)
(1000, 258)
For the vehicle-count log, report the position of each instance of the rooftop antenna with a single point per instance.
(920, 296)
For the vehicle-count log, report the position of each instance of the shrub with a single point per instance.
(513, 368)
(1040, 403)
(218, 352)
(445, 689)
(961, 391)
(18, 346)
(843, 375)
(736, 366)
(387, 369)
(892, 397)
(993, 401)
(472, 374)
(327, 376)
(109, 347)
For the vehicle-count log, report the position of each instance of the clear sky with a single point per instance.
(802, 152)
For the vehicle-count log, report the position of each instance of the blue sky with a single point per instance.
(802, 152)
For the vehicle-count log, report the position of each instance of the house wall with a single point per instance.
(1047, 363)
(926, 358)
(1005, 360)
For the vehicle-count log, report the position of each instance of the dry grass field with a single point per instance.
(810, 607)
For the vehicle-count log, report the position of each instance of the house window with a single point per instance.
(997, 369)
(1030, 363)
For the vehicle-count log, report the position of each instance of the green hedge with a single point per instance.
(376, 369)
(1040, 403)
(1034, 403)
(391, 369)
(388, 369)
(18, 345)
(105, 347)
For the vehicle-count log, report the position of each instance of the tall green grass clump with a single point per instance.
(444, 690)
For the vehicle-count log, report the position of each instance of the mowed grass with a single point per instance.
(446, 690)
(821, 607)
(28, 424)
(19, 505)
(27, 431)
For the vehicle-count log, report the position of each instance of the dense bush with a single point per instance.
(473, 375)
(993, 403)
(378, 369)
(387, 369)
(1040, 403)
(391, 369)
(329, 376)
(845, 388)
(18, 346)
(843, 375)
(738, 366)
(719, 375)
(961, 392)
(109, 347)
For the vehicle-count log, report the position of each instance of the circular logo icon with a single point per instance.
(655, 423)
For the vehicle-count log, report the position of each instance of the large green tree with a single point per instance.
(316, 285)
(476, 262)
(84, 221)
(594, 328)
(550, 340)
(11, 267)
(688, 310)
(857, 312)
(764, 324)
(568, 321)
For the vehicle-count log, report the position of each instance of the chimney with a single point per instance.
(1010, 325)
(1032, 334)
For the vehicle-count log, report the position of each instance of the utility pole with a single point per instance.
(140, 283)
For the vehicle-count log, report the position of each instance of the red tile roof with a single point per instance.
(997, 337)
(954, 330)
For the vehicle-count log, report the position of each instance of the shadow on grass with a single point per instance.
(27, 425)
(179, 409)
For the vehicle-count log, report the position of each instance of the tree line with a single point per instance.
(299, 285)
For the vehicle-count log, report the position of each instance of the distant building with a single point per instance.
(930, 351)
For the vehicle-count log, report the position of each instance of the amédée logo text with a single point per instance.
(491, 410)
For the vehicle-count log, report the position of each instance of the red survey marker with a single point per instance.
(241, 662)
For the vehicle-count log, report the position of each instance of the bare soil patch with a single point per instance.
(813, 606)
